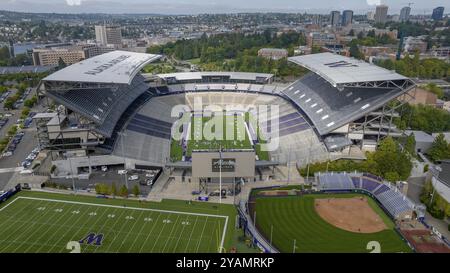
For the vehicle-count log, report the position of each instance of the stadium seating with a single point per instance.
(388, 195)
(334, 181)
(104, 106)
(328, 107)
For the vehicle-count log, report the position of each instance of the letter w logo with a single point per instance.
(92, 238)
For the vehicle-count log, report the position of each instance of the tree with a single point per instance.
(440, 149)
(410, 144)
(61, 63)
(114, 189)
(136, 190)
(124, 191)
(354, 51)
(351, 32)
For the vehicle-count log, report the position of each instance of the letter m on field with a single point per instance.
(92, 238)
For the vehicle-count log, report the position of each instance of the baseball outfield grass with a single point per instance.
(295, 226)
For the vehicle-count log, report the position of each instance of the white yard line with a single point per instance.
(31, 227)
(42, 234)
(140, 231)
(149, 234)
(171, 231)
(201, 235)
(190, 236)
(130, 208)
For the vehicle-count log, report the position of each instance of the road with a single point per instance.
(28, 143)
(415, 186)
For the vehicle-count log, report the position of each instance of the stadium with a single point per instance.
(111, 115)
(209, 135)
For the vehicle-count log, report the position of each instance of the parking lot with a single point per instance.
(108, 177)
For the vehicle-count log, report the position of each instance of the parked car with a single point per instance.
(133, 177)
(104, 168)
(122, 172)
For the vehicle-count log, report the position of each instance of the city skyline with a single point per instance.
(204, 6)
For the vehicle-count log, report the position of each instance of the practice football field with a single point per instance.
(34, 222)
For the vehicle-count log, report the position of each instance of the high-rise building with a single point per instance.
(347, 17)
(381, 14)
(370, 16)
(438, 13)
(335, 16)
(108, 35)
(404, 14)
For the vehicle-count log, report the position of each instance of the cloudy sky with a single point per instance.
(212, 6)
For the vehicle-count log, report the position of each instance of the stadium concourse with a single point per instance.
(109, 114)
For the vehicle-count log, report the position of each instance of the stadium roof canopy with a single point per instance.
(341, 70)
(247, 76)
(116, 67)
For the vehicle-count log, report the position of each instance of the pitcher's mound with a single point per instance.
(351, 214)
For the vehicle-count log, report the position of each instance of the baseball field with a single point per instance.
(326, 223)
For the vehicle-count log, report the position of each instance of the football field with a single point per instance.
(41, 224)
(232, 134)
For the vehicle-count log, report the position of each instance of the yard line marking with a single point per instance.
(201, 235)
(104, 226)
(181, 234)
(190, 236)
(148, 235)
(72, 215)
(126, 236)
(171, 231)
(157, 238)
(86, 225)
(140, 231)
(178, 213)
(39, 228)
(7, 205)
(123, 224)
(30, 227)
(121, 207)
(17, 228)
(11, 216)
(61, 216)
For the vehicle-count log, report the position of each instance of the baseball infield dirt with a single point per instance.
(351, 214)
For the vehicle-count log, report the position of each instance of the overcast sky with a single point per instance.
(213, 6)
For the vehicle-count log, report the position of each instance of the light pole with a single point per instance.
(220, 174)
(122, 135)
(71, 175)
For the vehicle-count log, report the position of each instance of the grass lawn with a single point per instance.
(46, 222)
(295, 218)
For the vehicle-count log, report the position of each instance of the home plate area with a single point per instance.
(30, 224)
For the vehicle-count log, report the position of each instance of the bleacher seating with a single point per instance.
(388, 195)
(334, 181)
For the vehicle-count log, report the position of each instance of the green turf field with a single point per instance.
(239, 138)
(235, 138)
(294, 218)
(43, 222)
